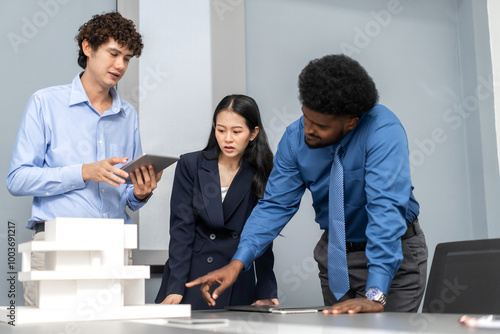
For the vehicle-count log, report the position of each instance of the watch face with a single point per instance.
(375, 295)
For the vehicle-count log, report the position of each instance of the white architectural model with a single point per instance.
(86, 275)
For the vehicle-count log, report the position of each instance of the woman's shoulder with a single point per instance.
(196, 158)
(190, 155)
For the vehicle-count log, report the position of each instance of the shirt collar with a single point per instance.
(344, 142)
(78, 95)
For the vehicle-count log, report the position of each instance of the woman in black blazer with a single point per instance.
(213, 194)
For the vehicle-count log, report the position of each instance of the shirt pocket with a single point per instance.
(354, 188)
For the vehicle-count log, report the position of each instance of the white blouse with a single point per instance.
(223, 192)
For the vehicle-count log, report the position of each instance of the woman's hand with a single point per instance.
(172, 299)
(269, 301)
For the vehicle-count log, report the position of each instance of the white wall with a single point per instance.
(494, 41)
(494, 25)
(177, 53)
(194, 55)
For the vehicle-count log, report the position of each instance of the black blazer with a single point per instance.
(205, 232)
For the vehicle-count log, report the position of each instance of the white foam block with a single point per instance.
(27, 315)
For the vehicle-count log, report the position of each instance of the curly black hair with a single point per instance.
(337, 85)
(100, 28)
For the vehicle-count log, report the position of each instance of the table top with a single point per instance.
(253, 322)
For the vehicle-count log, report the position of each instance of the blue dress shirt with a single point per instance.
(378, 197)
(59, 132)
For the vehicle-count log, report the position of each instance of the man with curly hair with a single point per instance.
(352, 154)
(73, 138)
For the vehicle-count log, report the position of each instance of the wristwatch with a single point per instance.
(376, 295)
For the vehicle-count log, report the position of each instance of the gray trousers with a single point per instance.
(407, 288)
(37, 263)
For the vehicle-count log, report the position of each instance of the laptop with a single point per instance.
(276, 309)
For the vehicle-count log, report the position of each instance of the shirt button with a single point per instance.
(47, 193)
(212, 236)
(104, 215)
(235, 235)
(210, 259)
(102, 190)
(100, 141)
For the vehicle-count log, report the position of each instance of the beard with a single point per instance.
(318, 142)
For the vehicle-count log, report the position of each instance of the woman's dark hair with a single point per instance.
(258, 153)
(100, 28)
(337, 85)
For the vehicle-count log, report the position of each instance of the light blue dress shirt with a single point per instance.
(59, 132)
(378, 195)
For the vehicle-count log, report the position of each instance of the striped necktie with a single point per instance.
(338, 276)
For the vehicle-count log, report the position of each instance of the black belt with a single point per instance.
(412, 230)
(355, 246)
(39, 227)
(361, 246)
